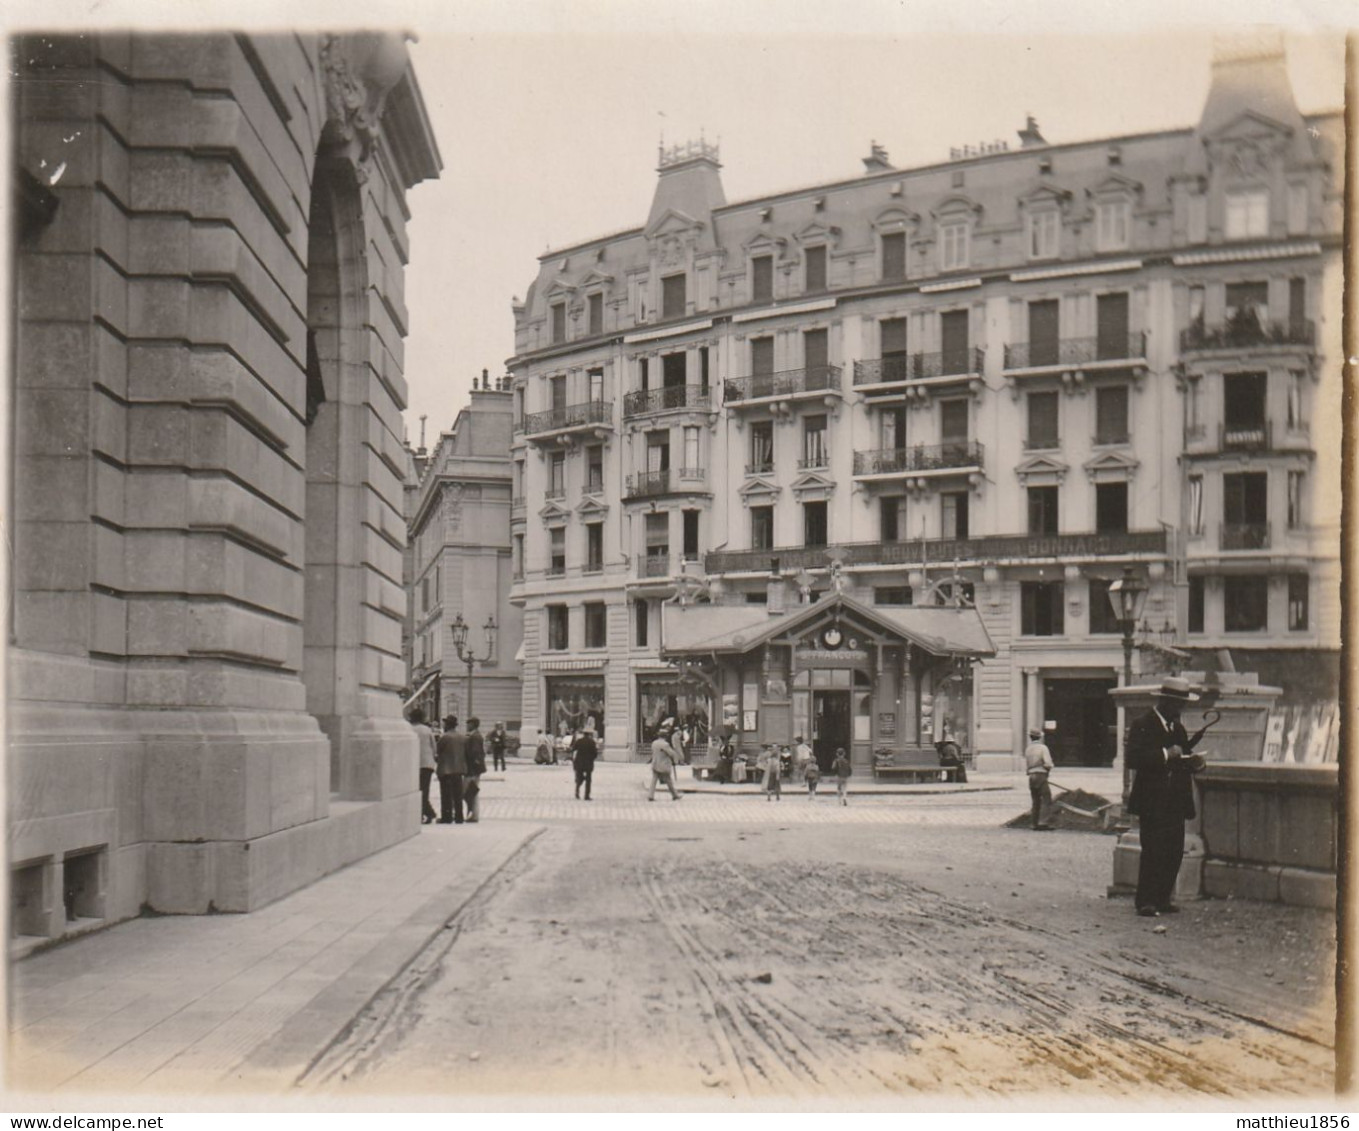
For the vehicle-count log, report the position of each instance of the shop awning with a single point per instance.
(704, 629)
(419, 691)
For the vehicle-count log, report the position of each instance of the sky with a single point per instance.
(550, 138)
(548, 113)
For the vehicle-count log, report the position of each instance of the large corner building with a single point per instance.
(762, 448)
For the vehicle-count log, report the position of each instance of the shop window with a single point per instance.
(1111, 508)
(558, 633)
(686, 705)
(673, 296)
(1196, 604)
(762, 278)
(814, 524)
(1042, 510)
(1245, 602)
(892, 595)
(893, 256)
(596, 624)
(953, 514)
(814, 262)
(594, 547)
(1298, 585)
(761, 528)
(574, 703)
(1102, 619)
(1040, 608)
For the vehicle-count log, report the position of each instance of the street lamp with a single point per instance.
(460, 630)
(1127, 595)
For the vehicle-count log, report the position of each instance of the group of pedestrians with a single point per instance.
(801, 764)
(459, 760)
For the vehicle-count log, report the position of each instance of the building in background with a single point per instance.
(204, 665)
(458, 552)
(994, 383)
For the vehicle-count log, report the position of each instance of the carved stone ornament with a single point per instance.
(359, 69)
(453, 507)
(671, 251)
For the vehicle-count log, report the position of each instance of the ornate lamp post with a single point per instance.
(1127, 596)
(460, 630)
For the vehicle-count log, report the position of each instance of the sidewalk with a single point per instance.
(241, 1002)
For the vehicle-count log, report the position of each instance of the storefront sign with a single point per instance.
(825, 658)
(887, 724)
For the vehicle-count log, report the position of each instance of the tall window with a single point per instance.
(658, 450)
(1042, 510)
(1113, 225)
(596, 377)
(691, 464)
(761, 278)
(557, 388)
(658, 544)
(556, 551)
(1043, 421)
(814, 524)
(1111, 327)
(1196, 603)
(953, 514)
(894, 255)
(1297, 418)
(674, 370)
(892, 335)
(761, 447)
(1044, 233)
(559, 322)
(953, 246)
(761, 355)
(1040, 608)
(596, 624)
(1045, 340)
(518, 557)
(892, 428)
(1247, 310)
(761, 528)
(594, 547)
(556, 479)
(1195, 515)
(558, 635)
(704, 374)
(1247, 214)
(672, 296)
(594, 469)
(596, 309)
(1111, 508)
(889, 515)
(690, 548)
(954, 340)
(1245, 602)
(815, 356)
(1111, 414)
(814, 264)
(639, 621)
(814, 441)
(1297, 209)
(1297, 602)
(1295, 483)
(1245, 507)
(643, 374)
(1102, 619)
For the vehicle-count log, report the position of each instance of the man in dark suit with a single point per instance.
(583, 755)
(1161, 753)
(451, 754)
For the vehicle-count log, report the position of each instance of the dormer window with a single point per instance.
(762, 278)
(558, 322)
(893, 255)
(1113, 224)
(954, 250)
(814, 263)
(673, 296)
(1045, 229)
(596, 313)
(1247, 214)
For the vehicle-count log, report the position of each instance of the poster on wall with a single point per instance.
(887, 724)
(862, 727)
(748, 720)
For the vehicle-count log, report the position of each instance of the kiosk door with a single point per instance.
(830, 725)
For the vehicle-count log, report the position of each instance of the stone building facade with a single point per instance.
(995, 381)
(204, 664)
(459, 549)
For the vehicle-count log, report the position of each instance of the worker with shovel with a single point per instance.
(1038, 761)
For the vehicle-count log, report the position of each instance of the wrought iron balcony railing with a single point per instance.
(646, 401)
(918, 366)
(656, 564)
(568, 416)
(942, 551)
(814, 462)
(760, 467)
(1247, 330)
(920, 457)
(786, 383)
(1244, 536)
(1076, 351)
(644, 483)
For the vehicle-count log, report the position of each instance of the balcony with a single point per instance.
(646, 402)
(789, 384)
(760, 467)
(557, 569)
(558, 423)
(1249, 332)
(888, 374)
(671, 481)
(657, 563)
(991, 549)
(1255, 436)
(958, 455)
(814, 462)
(1109, 352)
(1244, 536)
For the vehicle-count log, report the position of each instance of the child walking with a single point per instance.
(773, 786)
(840, 768)
(812, 774)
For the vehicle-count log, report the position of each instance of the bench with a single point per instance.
(915, 773)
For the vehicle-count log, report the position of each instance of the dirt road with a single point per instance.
(769, 962)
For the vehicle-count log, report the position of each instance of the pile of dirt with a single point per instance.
(1075, 809)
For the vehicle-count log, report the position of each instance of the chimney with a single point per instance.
(876, 161)
(421, 448)
(1029, 135)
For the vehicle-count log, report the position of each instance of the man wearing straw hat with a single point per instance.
(1162, 796)
(1038, 765)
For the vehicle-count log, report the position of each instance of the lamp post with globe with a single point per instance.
(460, 629)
